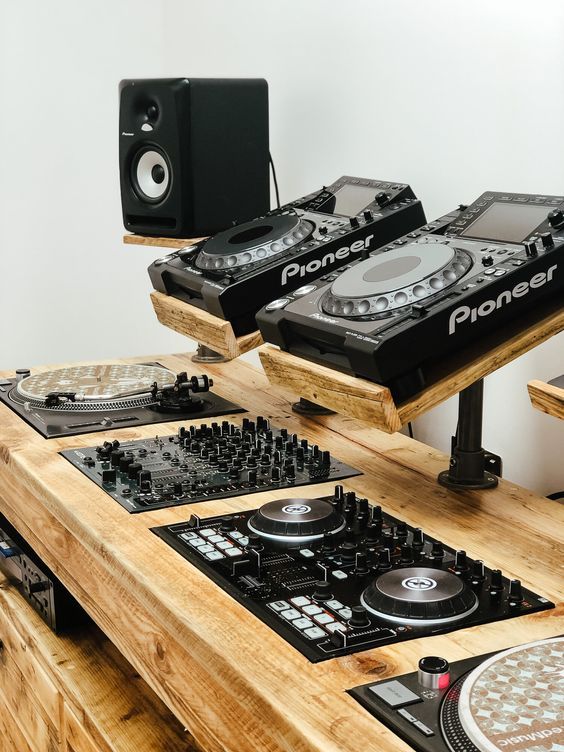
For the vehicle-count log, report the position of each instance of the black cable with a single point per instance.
(274, 179)
(410, 429)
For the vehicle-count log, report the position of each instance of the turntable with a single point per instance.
(508, 700)
(85, 399)
(392, 316)
(336, 575)
(233, 273)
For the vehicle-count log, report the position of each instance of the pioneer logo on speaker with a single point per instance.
(293, 270)
(465, 313)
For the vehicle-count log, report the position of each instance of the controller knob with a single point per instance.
(322, 591)
(437, 550)
(460, 562)
(227, 524)
(433, 672)
(556, 217)
(382, 198)
(359, 617)
(515, 592)
(478, 571)
(353, 223)
(530, 248)
(547, 240)
(496, 584)
(487, 260)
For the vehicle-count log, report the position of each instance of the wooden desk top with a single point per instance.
(233, 682)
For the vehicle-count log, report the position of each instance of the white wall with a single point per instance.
(453, 97)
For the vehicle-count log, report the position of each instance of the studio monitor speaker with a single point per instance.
(193, 153)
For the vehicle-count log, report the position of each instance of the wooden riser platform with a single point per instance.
(547, 398)
(131, 239)
(363, 399)
(202, 326)
(234, 683)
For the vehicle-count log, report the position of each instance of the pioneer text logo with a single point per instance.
(465, 313)
(294, 270)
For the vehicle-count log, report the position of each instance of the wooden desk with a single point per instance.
(233, 682)
(548, 398)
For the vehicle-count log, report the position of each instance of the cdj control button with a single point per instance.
(225, 544)
(306, 553)
(243, 541)
(232, 551)
(197, 542)
(489, 272)
(216, 538)
(305, 290)
(335, 626)
(235, 534)
(312, 610)
(500, 272)
(303, 623)
(346, 613)
(424, 729)
(188, 536)
(517, 262)
(323, 619)
(394, 694)
(279, 605)
(214, 555)
(291, 614)
(315, 633)
(206, 549)
(207, 532)
(277, 304)
(339, 574)
(300, 601)
(335, 605)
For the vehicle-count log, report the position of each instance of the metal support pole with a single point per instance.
(205, 354)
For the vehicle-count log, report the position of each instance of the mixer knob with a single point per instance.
(226, 524)
(478, 571)
(253, 477)
(384, 559)
(326, 458)
(406, 554)
(556, 217)
(323, 230)
(124, 463)
(359, 617)
(177, 489)
(377, 514)
(234, 473)
(547, 240)
(362, 508)
(322, 591)
(368, 216)
(460, 562)
(361, 563)
(134, 469)
(515, 592)
(496, 584)
(222, 467)
(338, 494)
(487, 260)
(255, 542)
(374, 532)
(328, 545)
(433, 672)
(382, 198)
(353, 223)
(530, 248)
(116, 456)
(418, 539)
(252, 462)
(350, 536)
(290, 472)
(276, 475)
(265, 460)
(437, 550)
(350, 499)
(350, 515)
(401, 531)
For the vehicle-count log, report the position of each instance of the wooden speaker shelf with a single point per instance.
(363, 399)
(202, 326)
(548, 398)
(131, 239)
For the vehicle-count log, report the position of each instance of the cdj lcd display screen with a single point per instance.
(509, 223)
(352, 199)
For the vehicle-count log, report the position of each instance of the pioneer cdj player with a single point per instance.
(513, 699)
(391, 316)
(336, 575)
(235, 272)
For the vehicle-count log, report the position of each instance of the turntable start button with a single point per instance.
(277, 304)
(305, 290)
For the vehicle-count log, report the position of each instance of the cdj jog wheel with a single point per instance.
(253, 241)
(94, 388)
(419, 595)
(387, 282)
(513, 700)
(296, 520)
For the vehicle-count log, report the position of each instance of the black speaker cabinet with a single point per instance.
(193, 154)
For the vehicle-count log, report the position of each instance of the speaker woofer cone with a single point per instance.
(151, 175)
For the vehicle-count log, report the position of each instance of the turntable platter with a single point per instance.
(253, 241)
(419, 595)
(296, 519)
(95, 383)
(397, 278)
(516, 699)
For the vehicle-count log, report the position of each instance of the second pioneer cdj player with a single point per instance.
(391, 316)
(235, 272)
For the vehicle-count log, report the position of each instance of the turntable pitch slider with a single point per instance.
(207, 329)
(373, 403)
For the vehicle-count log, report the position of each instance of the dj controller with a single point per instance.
(235, 272)
(337, 575)
(392, 316)
(200, 463)
(85, 399)
(513, 699)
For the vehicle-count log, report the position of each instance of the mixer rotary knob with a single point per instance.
(359, 617)
(322, 591)
(487, 260)
(556, 217)
(530, 248)
(515, 592)
(382, 198)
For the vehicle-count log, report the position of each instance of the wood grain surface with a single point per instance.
(131, 239)
(368, 401)
(235, 684)
(547, 398)
(202, 326)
